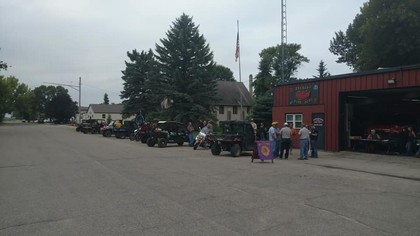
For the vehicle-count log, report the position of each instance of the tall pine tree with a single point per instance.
(141, 91)
(187, 72)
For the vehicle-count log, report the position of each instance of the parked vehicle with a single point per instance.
(203, 140)
(108, 130)
(236, 137)
(88, 126)
(168, 132)
(126, 129)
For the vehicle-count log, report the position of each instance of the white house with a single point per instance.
(105, 112)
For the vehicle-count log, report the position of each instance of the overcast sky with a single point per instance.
(57, 41)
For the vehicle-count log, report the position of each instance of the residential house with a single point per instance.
(235, 101)
(105, 112)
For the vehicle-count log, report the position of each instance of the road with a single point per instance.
(55, 181)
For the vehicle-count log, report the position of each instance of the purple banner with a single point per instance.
(264, 150)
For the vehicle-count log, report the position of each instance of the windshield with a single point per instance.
(232, 128)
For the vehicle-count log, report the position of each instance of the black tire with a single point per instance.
(107, 133)
(180, 143)
(195, 146)
(137, 138)
(216, 149)
(162, 142)
(132, 137)
(143, 139)
(235, 150)
(150, 142)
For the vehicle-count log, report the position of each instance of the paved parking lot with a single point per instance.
(54, 181)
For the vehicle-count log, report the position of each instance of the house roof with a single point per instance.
(104, 108)
(232, 93)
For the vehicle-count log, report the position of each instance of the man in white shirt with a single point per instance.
(304, 142)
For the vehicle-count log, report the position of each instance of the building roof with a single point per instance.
(355, 74)
(104, 108)
(232, 93)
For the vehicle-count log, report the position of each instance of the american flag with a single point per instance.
(237, 47)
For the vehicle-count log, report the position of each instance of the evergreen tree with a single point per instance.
(187, 72)
(141, 84)
(322, 71)
(106, 99)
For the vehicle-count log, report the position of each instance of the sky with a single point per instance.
(49, 42)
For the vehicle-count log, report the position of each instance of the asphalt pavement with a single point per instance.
(56, 181)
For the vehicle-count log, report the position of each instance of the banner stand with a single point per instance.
(262, 151)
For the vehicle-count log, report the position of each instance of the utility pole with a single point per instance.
(77, 88)
(283, 35)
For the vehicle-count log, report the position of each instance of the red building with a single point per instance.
(345, 106)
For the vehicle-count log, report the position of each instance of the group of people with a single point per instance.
(282, 144)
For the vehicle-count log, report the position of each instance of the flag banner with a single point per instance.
(264, 150)
(237, 47)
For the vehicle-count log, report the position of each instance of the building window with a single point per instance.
(221, 110)
(103, 116)
(294, 119)
(235, 110)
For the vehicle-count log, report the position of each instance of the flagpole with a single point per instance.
(239, 53)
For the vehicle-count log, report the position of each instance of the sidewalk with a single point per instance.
(407, 167)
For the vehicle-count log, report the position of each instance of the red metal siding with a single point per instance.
(329, 91)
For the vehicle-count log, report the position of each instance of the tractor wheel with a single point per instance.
(107, 133)
(216, 149)
(235, 150)
(162, 142)
(150, 142)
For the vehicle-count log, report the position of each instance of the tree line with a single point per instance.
(177, 80)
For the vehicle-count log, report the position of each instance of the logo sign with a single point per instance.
(318, 121)
(304, 95)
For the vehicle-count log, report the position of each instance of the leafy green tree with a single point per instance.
(44, 95)
(273, 70)
(271, 67)
(187, 72)
(61, 108)
(26, 106)
(223, 73)
(3, 65)
(141, 84)
(8, 93)
(106, 99)
(384, 34)
(322, 71)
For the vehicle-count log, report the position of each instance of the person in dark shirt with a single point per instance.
(314, 140)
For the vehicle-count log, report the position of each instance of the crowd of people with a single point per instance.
(281, 140)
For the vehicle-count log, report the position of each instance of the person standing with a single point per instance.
(272, 137)
(262, 130)
(190, 129)
(314, 140)
(286, 135)
(304, 142)
(411, 137)
(254, 127)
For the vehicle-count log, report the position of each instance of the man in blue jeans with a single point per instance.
(304, 142)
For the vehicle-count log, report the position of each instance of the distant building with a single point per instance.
(235, 101)
(104, 112)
